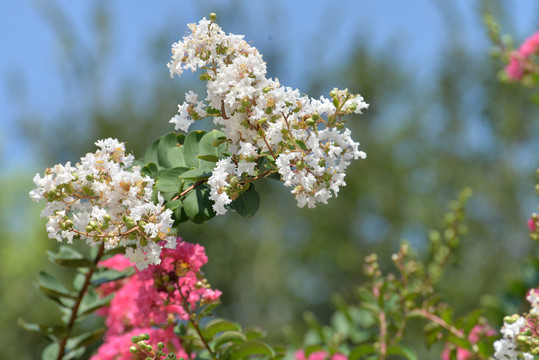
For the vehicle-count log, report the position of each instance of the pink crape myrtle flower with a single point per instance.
(478, 332)
(519, 59)
(117, 262)
(531, 225)
(116, 347)
(154, 298)
(318, 355)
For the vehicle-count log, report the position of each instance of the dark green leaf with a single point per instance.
(196, 174)
(360, 351)
(210, 158)
(312, 349)
(229, 337)
(249, 348)
(67, 257)
(301, 145)
(215, 326)
(74, 354)
(150, 170)
(403, 351)
(51, 287)
(247, 203)
(107, 275)
(57, 331)
(255, 333)
(91, 302)
(170, 181)
(173, 205)
(197, 204)
(85, 339)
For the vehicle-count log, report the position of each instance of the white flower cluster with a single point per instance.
(520, 333)
(100, 201)
(303, 138)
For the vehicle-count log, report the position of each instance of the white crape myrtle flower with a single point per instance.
(303, 138)
(103, 200)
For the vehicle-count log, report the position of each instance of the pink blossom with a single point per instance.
(514, 68)
(318, 355)
(116, 262)
(519, 60)
(531, 225)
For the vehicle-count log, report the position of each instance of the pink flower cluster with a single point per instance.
(318, 355)
(520, 61)
(153, 300)
(478, 332)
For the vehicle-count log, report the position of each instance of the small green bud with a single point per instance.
(300, 165)
(160, 345)
(129, 222)
(107, 218)
(171, 356)
(68, 223)
(133, 349)
(309, 121)
(166, 277)
(170, 288)
(234, 181)
(352, 107)
(246, 103)
(89, 229)
(332, 93)
(89, 177)
(340, 126)
(203, 77)
(93, 224)
(149, 348)
(141, 344)
(266, 90)
(316, 116)
(213, 16)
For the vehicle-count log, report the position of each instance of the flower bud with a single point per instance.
(160, 345)
(213, 16)
(332, 93)
(266, 90)
(133, 349)
(170, 288)
(89, 229)
(106, 217)
(309, 121)
(246, 103)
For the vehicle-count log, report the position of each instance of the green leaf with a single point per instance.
(247, 203)
(191, 148)
(67, 257)
(301, 145)
(51, 287)
(170, 180)
(215, 326)
(197, 204)
(166, 143)
(229, 337)
(107, 275)
(255, 333)
(206, 146)
(210, 158)
(196, 174)
(50, 352)
(91, 302)
(150, 155)
(249, 348)
(85, 339)
(176, 157)
(74, 354)
(51, 331)
(150, 170)
(173, 205)
(360, 351)
(403, 351)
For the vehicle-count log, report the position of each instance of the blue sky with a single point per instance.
(30, 47)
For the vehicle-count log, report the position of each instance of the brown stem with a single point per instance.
(435, 319)
(75, 307)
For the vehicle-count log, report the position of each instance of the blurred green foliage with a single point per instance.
(424, 142)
